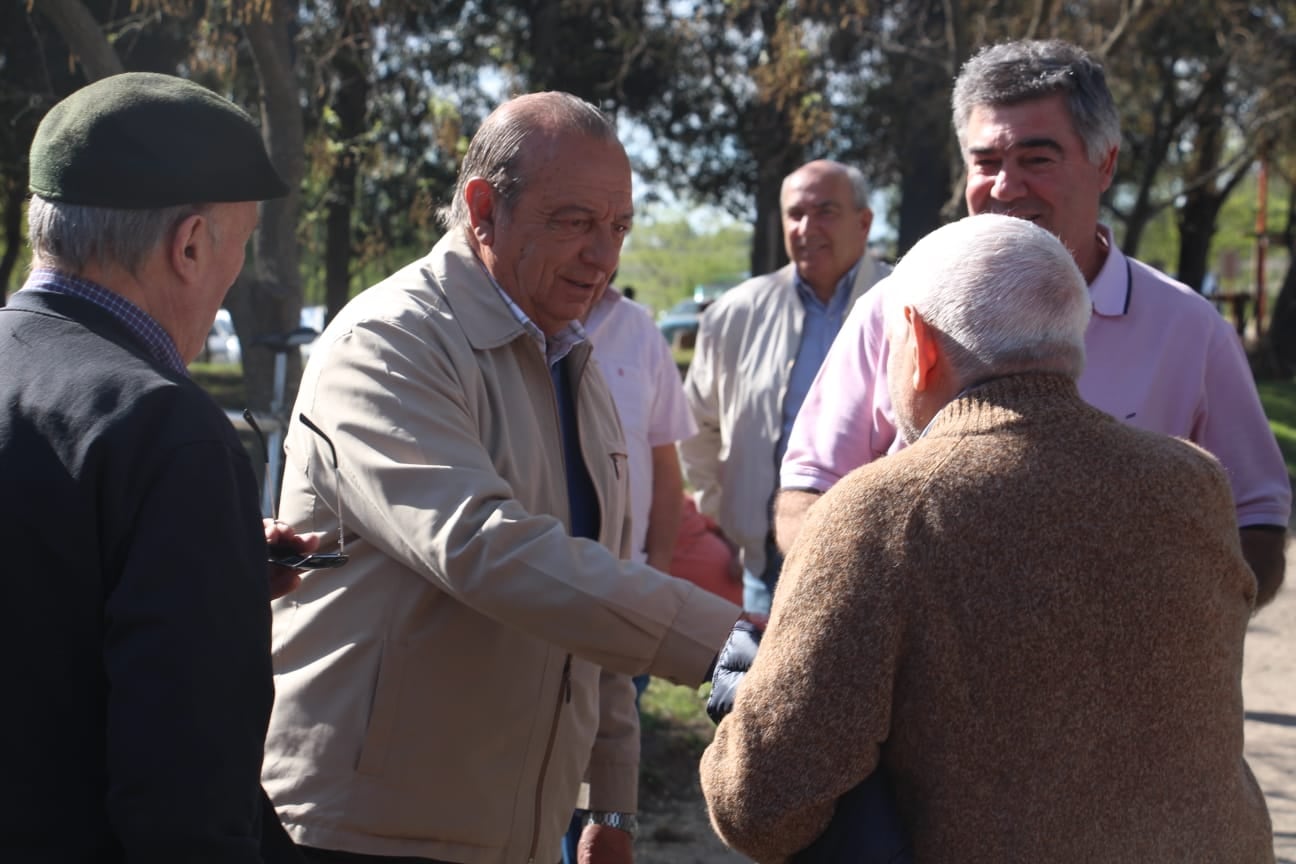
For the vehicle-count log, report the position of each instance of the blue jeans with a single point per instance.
(757, 596)
(572, 837)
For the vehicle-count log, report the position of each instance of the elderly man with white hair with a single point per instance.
(1031, 619)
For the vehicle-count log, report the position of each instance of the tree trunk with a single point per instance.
(351, 70)
(1280, 338)
(83, 36)
(13, 205)
(268, 296)
(768, 251)
(926, 139)
(925, 183)
(1197, 218)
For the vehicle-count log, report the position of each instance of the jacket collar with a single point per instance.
(477, 301)
(865, 277)
(470, 293)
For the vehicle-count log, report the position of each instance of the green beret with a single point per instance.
(140, 141)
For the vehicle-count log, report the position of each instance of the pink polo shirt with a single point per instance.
(1159, 357)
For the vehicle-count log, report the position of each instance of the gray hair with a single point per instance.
(858, 182)
(1014, 72)
(1003, 294)
(859, 186)
(495, 152)
(68, 237)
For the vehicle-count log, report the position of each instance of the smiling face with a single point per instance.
(555, 249)
(1026, 160)
(824, 231)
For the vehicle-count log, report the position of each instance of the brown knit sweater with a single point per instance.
(1034, 618)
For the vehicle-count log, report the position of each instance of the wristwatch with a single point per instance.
(626, 822)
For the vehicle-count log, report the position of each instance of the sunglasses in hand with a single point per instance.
(283, 554)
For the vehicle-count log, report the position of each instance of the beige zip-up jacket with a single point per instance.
(442, 695)
(746, 347)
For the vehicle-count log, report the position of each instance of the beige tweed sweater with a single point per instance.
(1034, 617)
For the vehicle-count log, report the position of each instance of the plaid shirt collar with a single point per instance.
(143, 327)
(555, 347)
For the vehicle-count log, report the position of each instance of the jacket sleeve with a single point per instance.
(614, 762)
(811, 714)
(421, 485)
(700, 454)
(187, 659)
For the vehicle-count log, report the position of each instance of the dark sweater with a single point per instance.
(1034, 617)
(135, 650)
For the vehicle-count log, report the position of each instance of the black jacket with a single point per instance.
(136, 647)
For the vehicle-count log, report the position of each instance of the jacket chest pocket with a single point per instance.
(604, 449)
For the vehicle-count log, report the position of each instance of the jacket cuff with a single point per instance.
(689, 647)
(613, 786)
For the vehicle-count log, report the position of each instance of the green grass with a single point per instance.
(676, 730)
(683, 357)
(223, 381)
(1279, 400)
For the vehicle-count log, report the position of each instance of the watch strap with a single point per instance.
(627, 822)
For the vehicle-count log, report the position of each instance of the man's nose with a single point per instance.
(603, 248)
(1007, 184)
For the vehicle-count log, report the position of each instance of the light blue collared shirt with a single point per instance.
(818, 330)
(555, 347)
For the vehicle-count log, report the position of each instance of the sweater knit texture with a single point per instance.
(1034, 618)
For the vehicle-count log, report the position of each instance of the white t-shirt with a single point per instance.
(647, 390)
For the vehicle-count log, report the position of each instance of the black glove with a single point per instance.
(735, 659)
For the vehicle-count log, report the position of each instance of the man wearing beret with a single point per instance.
(136, 648)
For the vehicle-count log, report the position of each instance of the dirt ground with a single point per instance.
(675, 830)
(1269, 688)
(673, 825)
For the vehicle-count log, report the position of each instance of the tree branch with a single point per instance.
(83, 35)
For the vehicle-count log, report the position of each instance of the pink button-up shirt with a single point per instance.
(1159, 357)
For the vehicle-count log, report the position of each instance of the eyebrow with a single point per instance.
(583, 210)
(1024, 144)
(817, 204)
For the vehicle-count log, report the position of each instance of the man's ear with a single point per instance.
(866, 222)
(926, 351)
(479, 195)
(189, 246)
(1107, 168)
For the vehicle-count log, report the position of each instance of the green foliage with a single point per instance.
(1235, 236)
(665, 257)
(1279, 400)
(223, 381)
(664, 702)
(676, 730)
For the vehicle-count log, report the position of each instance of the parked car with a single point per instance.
(223, 343)
(312, 317)
(679, 323)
